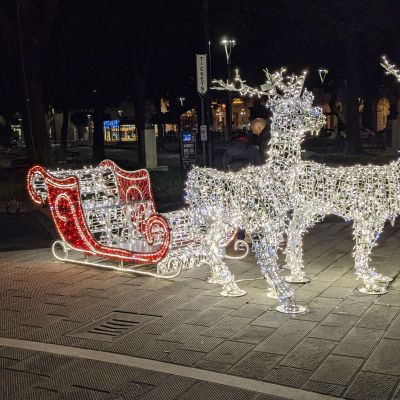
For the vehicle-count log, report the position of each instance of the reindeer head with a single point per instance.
(290, 103)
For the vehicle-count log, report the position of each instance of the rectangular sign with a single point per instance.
(201, 68)
(203, 133)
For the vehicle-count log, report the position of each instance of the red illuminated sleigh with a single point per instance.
(104, 213)
(107, 217)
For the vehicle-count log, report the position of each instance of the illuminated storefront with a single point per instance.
(115, 131)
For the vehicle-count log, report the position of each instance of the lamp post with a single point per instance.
(119, 126)
(228, 45)
(322, 72)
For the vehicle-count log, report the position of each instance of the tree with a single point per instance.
(25, 29)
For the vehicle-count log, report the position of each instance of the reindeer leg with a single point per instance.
(219, 271)
(365, 238)
(266, 255)
(294, 248)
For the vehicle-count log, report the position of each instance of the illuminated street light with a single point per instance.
(228, 45)
(322, 74)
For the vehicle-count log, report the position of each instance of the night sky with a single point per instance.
(96, 45)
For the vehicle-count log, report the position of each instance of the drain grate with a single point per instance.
(112, 327)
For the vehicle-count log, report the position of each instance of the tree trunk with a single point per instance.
(140, 116)
(98, 133)
(64, 131)
(36, 135)
(352, 94)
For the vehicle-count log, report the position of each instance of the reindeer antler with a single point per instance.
(276, 84)
(239, 85)
(391, 69)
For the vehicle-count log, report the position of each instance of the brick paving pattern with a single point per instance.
(347, 345)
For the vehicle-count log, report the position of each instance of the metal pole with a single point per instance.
(203, 143)
(229, 105)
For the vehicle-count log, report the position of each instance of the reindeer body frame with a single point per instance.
(367, 195)
(259, 198)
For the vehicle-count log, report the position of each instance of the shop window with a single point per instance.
(382, 112)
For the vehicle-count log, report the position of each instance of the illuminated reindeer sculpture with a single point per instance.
(368, 195)
(258, 198)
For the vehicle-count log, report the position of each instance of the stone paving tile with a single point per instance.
(324, 388)
(233, 303)
(7, 362)
(177, 317)
(335, 333)
(256, 365)
(54, 330)
(385, 359)
(306, 296)
(338, 292)
(171, 388)
(353, 306)
(336, 369)
(229, 352)
(397, 394)
(15, 354)
(309, 353)
(339, 320)
(391, 298)
(378, 317)
(207, 391)
(359, 342)
(156, 349)
(313, 314)
(75, 393)
(208, 317)
(35, 394)
(71, 375)
(44, 364)
(249, 311)
(286, 337)
(325, 302)
(394, 330)
(202, 343)
(253, 334)
(213, 365)
(14, 383)
(131, 391)
(263, 396)
(184, 357)
(271, 319)
(288, 376)
(91, 344)
(227, 327)
(107, 377)
(371, 386)
(182, 333)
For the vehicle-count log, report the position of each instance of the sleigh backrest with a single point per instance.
(115, 203)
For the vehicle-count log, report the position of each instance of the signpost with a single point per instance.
(203, 133)
(201, 68)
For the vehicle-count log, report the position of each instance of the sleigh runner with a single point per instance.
(106, 217)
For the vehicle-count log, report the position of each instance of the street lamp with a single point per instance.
(119, 125)
(322, 72)
(228, 45)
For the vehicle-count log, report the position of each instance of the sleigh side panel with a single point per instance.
(64, 200)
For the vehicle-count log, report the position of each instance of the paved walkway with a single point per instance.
(74, 332)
